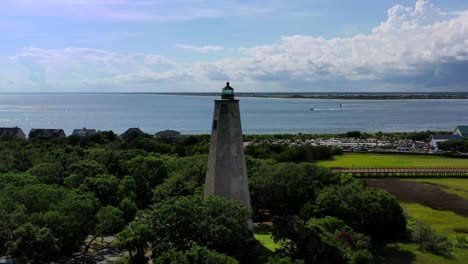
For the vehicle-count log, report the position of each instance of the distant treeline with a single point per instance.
(342, 96)
(372, 96)
(415, 136)
(296, 154)
(454, 146)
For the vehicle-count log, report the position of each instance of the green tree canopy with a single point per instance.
(284, 188)
(373, 212)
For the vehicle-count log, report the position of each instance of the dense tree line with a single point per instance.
(416, 136)
(57, 197)
(294, 153)
(454, 146)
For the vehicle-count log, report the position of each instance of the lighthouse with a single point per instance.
(227, 172)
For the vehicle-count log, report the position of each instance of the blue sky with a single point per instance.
(196, 45)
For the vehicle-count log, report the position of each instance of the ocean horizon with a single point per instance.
(191, 114)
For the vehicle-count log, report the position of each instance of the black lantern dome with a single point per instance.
(228, 92)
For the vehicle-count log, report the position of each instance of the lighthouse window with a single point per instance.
(215, 124)
(223, 108)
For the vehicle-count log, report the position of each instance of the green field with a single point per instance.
(442, 221)
(263, 235)
(400, 253)
(455, 186)
(404, 253)
(371, 160)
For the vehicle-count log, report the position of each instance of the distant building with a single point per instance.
(171, 135)
(7, 260)
(41, 133)
(12, 132)
(419, 144)
(462, 131)
(84, 132)
(435, 139)
(131, 134)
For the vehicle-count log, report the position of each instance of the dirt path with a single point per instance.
(430, 195)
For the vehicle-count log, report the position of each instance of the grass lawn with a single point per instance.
(263, 235)
(455, 186)
(442, 221)
(401, 253)
(371, 160)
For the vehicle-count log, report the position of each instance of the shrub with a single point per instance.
(195, 254)
(428, 240)
(461, 241)
(323, 240)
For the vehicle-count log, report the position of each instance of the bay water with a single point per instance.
(193, 114)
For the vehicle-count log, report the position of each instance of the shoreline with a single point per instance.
(338, 97)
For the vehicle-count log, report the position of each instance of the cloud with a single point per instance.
(200, 48)
(133, 11)
(416, 48)
(74, 68)
(412, 42)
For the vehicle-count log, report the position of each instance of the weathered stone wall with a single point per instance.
(227, 171)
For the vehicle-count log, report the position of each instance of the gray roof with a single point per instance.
(83, 132)
(10, 131)
(46, 133)
(133, 130)
(131, 133)
(168, 133)
(446, 137)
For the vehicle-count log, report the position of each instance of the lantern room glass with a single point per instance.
(228, 92)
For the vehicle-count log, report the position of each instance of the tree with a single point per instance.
(49, 173)
(178, 223)
(429, 240)
(100, 155)
(109, 220)
(41, 216)
(353, 134)
(284, 188)
(217, 223)
(109, 136)
(176, 185)
(373, 212)
(83, 169)
(127, 188)
(192, 168)
(104, 187)
(135, 238)
(195, 254)
(326, 240)
(147, 172)
(33, 243)
(128, 208)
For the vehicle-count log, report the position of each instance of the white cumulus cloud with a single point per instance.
(417, 47)
(203, 49)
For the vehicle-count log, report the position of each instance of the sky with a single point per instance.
(257, 45)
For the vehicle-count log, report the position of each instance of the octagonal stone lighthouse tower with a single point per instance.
(227, 172)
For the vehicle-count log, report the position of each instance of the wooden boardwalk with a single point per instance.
(404, 172)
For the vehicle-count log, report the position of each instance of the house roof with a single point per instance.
(463, 130)
(446, 137)
(168, 133)
(83, 132)
(45, 133)
(9, 131)
(133, 130)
